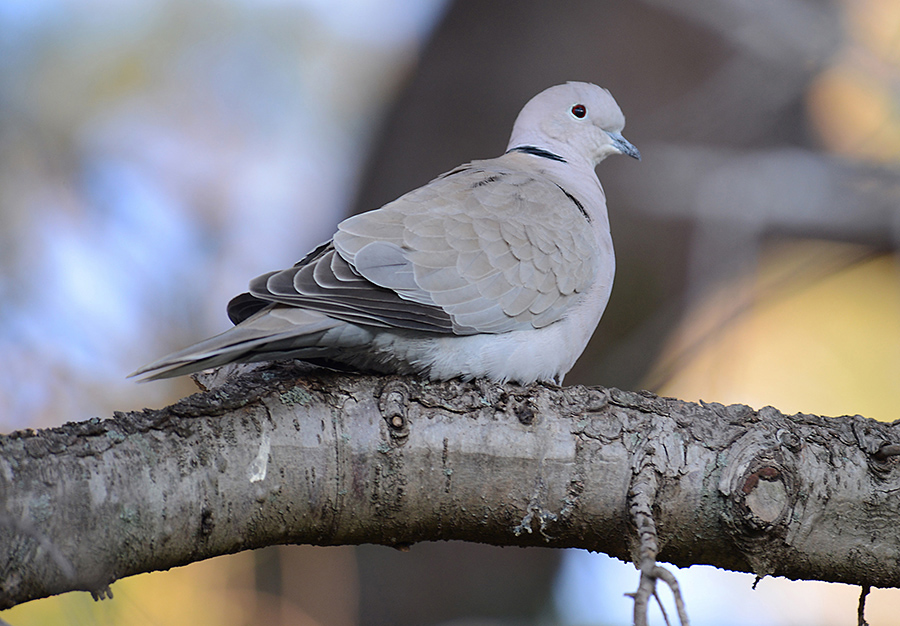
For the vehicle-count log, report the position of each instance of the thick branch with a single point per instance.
(282, 455)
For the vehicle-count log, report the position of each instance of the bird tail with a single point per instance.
(274, 333)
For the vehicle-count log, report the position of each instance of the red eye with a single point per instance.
(579, 111)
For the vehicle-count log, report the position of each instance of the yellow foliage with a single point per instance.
(816, 330)
(856, 114)
(200, 594)
(854, 105)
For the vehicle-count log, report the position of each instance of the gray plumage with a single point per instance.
(499, 268)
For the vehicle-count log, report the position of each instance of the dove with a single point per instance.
(500, 268)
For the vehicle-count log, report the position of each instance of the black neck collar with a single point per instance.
(538, 152)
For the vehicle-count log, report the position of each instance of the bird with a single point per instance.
(500, 268)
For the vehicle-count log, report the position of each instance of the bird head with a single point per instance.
(577, 121)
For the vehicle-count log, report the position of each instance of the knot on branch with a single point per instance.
(761, 483)
(764, 496)
(882, 454)
(878, 441)
(887, 451)
(392, 403)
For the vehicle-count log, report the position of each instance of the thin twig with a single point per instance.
(887, 450)
(662, 609)
(861, 610)
(641, 495)
(646, 588)
(669, 578)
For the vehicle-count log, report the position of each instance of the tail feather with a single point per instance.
(270, 334)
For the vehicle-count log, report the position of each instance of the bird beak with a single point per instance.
(624, 146)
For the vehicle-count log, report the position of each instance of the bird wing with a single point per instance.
(481, 249)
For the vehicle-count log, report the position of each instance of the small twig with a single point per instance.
(887, 450)
(103, 593)
(641, 495)
(662, 609)
(669, 578)
(646, 588)
(861, 610)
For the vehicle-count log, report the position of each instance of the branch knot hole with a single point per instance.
(765, 493)
(393, 403)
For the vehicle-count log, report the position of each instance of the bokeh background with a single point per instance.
(155, 155)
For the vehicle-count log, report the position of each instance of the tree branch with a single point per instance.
(288, 455)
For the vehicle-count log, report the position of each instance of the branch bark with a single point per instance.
(288, 455)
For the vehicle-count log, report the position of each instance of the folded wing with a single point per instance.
(480, 250)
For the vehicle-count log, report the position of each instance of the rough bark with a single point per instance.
(288, 455)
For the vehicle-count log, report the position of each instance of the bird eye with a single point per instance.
(579, 110)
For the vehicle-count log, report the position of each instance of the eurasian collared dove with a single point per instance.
(500, 268)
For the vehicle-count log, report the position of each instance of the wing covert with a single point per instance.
(479, 250)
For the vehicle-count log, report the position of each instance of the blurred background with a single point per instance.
(156, 155)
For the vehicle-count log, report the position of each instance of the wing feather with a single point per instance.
(487, 249)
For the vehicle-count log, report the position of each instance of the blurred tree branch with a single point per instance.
(285, 454)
